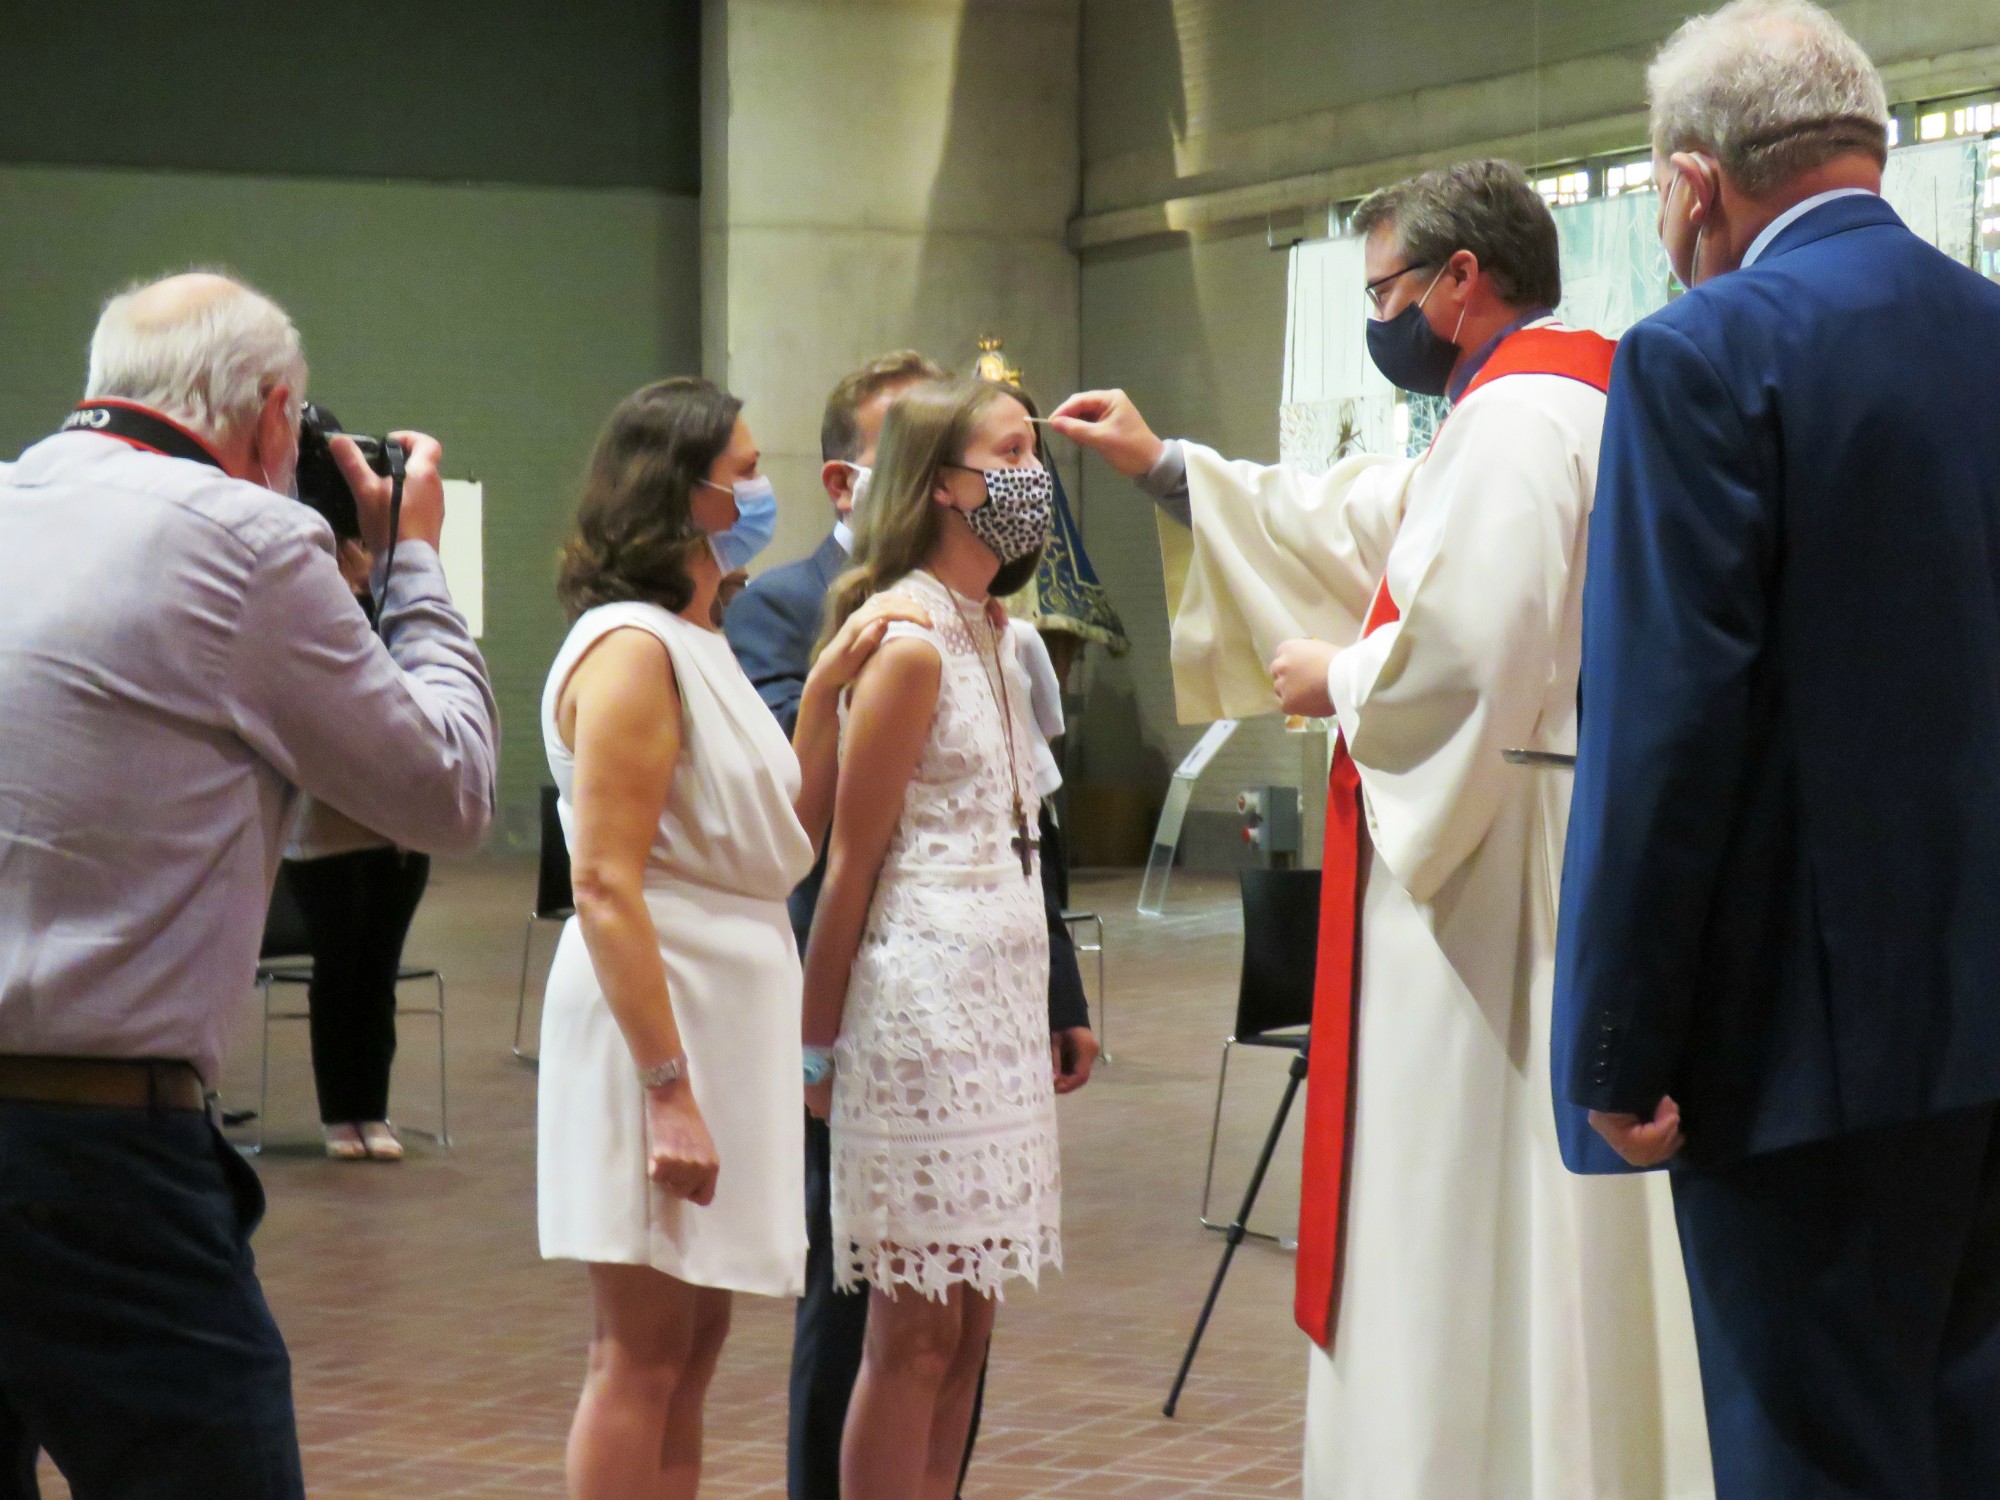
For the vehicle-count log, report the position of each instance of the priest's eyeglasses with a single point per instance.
(1374, 288)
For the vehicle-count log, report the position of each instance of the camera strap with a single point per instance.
(137, 427)
(397, 458)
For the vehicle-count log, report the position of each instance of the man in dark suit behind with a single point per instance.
(772, 626)
(1779, 955)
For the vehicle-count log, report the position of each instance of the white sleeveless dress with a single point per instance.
(944, 1160)
(728, 851)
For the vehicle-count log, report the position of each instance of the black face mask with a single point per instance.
(1409, 352)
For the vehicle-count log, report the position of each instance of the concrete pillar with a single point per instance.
(879, 174)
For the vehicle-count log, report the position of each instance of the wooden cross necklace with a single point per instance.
(1024, 845)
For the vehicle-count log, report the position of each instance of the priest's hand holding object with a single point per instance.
(1109, 425)
(1643, 1143)
(1298, 674)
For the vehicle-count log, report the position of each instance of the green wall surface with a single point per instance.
(504, 320)
(1194, 332)
(585, 93)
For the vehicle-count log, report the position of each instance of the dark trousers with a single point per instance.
(827, 1333)
(1847, 1308)
(357, 909)
(135, 1343)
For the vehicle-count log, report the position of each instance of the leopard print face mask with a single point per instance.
(1020, 505)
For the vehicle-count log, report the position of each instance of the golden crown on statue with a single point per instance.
(992, 363)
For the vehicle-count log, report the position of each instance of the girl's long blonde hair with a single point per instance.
(898, 525)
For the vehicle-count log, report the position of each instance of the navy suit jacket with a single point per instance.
(772, 627)
(774, 623)
(1781, 899)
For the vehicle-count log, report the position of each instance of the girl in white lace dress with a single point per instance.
(927, 973)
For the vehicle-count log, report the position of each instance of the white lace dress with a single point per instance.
(944, 1159)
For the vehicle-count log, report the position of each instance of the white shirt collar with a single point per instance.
(1790, 217)
(844, 534)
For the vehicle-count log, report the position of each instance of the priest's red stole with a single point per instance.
(1329, 1129)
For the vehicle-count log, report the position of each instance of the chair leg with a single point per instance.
(1236, 1233)
(264, 1072)
(1214, 1134)
(1103, 1017)
(1208, 1178)
(444, 1098)
(521, 1000)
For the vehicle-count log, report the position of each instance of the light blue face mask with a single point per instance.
(756, 523)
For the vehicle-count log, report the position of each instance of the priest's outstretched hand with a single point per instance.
(1109, 425)
(1298, 674)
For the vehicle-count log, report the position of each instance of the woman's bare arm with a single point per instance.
(888, 722)
(816, 733)
(621, 714)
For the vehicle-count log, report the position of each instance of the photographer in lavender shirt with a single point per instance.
(179, 657)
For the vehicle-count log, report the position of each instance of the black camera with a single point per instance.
(322, 485)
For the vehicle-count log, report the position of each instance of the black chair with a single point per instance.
(1274, 998)
(285, 958)
(554, 902)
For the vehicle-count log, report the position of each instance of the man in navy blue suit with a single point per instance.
(1779, 956)
(772, 626)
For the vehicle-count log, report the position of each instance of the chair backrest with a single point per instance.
(1280, 948)
(553, 897)
(285, 934)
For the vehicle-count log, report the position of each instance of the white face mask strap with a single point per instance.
(1427, 297)
(1694, 261)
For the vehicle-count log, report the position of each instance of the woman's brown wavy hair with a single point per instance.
(635, 533)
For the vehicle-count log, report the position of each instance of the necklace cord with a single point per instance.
(996, 684)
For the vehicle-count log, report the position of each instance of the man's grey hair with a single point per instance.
(1769, 88)
(202, 349)
(1487, 207)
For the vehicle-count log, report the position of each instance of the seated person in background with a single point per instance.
(773, 627)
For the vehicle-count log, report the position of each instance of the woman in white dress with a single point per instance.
(927, 972)
(668, 1154)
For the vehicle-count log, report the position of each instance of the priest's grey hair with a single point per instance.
(200, 348)
(1488, 207)
(1770, 88)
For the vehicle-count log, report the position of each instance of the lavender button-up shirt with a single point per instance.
(178, 656)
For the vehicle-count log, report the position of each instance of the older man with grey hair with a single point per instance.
(1779, 963)
(179, 655)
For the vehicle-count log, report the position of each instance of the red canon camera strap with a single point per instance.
(138, 427)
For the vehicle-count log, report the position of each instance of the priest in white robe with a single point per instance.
(1486, 1326)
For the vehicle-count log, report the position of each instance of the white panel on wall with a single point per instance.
(462, 550)
(1935, 189)
(1335, 400)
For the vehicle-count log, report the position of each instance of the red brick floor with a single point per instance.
(435, 1354)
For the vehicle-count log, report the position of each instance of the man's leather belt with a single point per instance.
(105, 1082)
